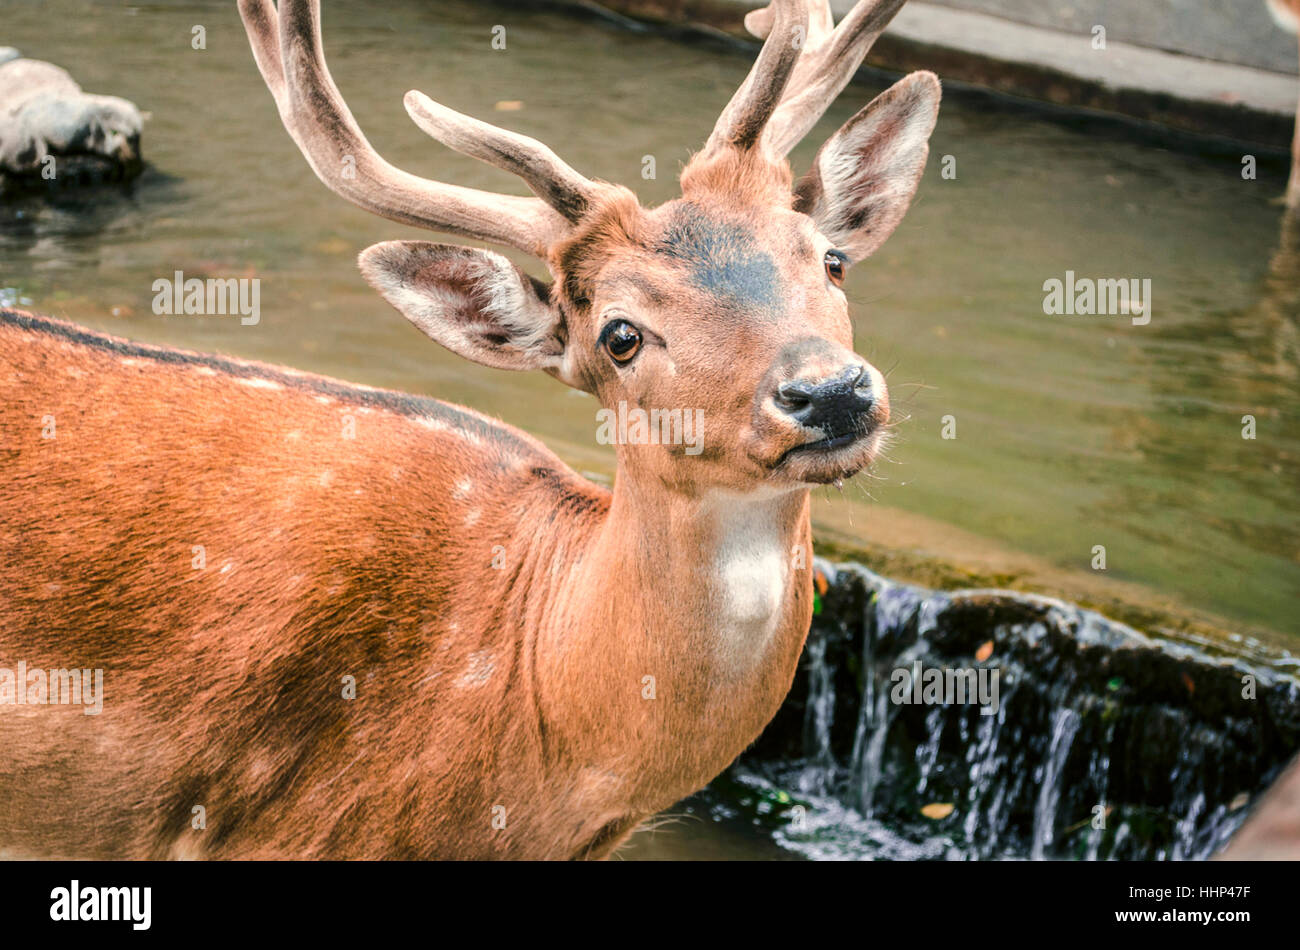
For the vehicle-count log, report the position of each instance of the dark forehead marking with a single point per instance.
(722, 258)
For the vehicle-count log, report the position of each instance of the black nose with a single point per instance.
(838, 406)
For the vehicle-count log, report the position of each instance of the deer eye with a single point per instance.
(621, 340)
(835, 262)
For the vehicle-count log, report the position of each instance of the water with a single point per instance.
(1065, 725)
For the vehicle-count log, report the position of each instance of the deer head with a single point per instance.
(726, 300)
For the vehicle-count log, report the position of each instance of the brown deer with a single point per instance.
(433, 639)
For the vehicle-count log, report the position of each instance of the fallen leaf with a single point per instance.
(1241, 800)
(1187, 681)
(937, 811)
(820, 580)
(984, 652)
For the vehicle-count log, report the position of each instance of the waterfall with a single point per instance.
(1065, 724)
(1102, 744)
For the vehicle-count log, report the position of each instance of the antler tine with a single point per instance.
(759, 22)
(742, 121)
(287, 49)
(828, 63)
(544, 172)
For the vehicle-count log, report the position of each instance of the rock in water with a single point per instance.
(53, 133)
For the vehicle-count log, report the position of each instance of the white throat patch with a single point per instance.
(752, 570)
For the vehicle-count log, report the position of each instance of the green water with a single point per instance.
(1071, 431)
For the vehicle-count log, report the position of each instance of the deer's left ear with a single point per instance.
(865, 175)
(475, 303)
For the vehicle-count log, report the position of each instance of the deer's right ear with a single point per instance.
(475, 303)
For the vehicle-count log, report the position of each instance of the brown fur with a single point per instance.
(740, 179)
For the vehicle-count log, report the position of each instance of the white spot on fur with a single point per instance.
(478, 669)
(187, 848)
(471, 519)
(261, 383)
(462, 489)
(260, 767)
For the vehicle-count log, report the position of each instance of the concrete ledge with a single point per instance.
(1186, 93)
(1197, 95)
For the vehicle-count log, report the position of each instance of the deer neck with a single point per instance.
(676, 637)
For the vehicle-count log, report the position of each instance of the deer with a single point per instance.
(432, 639)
